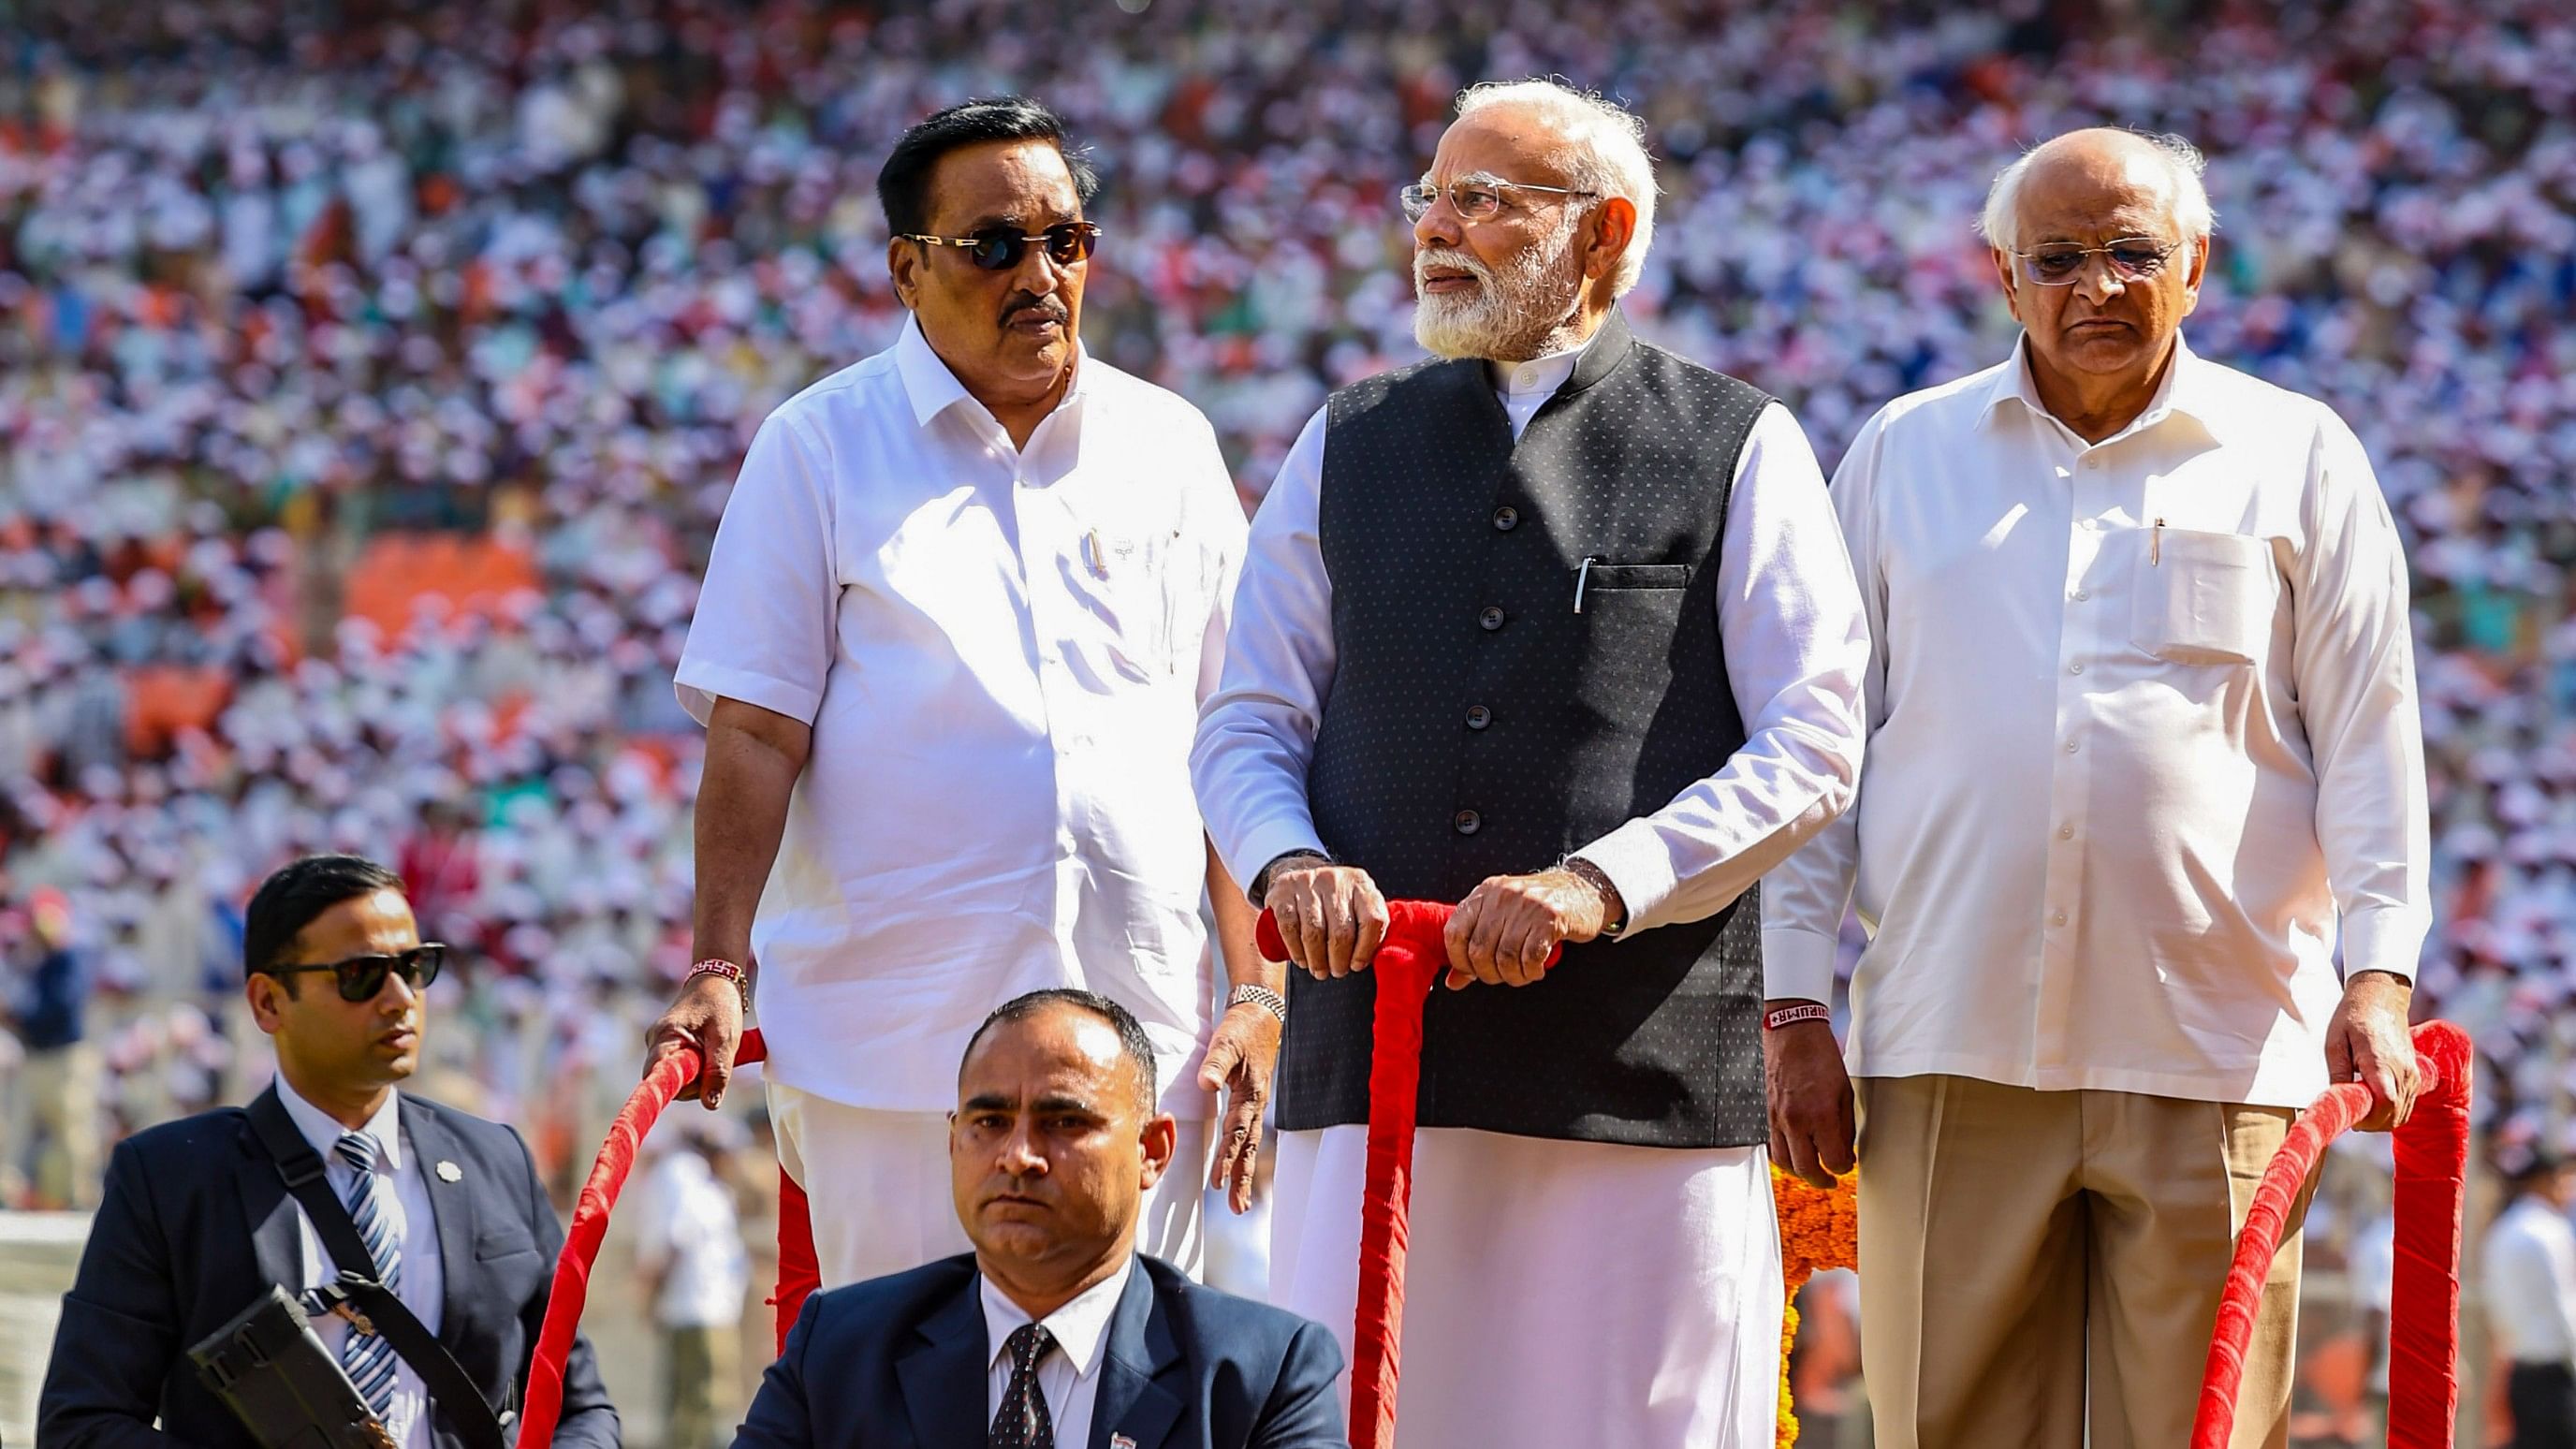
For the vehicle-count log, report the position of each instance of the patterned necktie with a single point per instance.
(1023, 1422)
(370, 1360)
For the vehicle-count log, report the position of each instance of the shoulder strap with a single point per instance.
(300, 1168)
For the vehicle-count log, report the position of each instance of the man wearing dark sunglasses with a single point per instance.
(966, 598)
(200, 1217)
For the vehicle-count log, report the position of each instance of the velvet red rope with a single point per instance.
(544, 1405)
(2424, 1307)
(1413, 957)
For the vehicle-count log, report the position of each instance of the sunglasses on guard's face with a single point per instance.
(999, 248)
(361, 977)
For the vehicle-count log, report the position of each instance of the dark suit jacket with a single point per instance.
(899, 1363)
(197, 1223)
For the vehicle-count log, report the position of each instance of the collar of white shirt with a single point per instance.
(2190, 389)
(933, 389)
(323, 1130)
(1539, 374)
(1080, 1327)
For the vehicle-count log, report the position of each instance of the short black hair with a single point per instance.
(2526, 1172)
(903, 185)
(288, 901)
(1131, 1032)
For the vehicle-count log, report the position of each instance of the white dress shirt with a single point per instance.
(2530, 1265)
(424, 1273)
(1001, 652)
(2142, 728)
(1788, 617)
(1069, 1375)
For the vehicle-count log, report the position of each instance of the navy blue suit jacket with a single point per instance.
(900, 1362)
(196, 1224)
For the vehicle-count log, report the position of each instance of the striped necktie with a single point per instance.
(370, 1360)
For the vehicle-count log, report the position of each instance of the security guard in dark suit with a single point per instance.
(198, 1220)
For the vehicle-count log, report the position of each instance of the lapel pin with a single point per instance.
(1121, 1441)
(450, 1172)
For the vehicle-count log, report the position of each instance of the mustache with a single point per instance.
(1426, 258)
(1052, 308)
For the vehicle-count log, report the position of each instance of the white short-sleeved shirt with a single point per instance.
(1001, 653)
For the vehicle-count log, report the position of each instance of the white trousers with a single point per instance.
(878, 1185)
(1557, 1294)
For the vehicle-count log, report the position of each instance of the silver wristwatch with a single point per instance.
(1261, 996)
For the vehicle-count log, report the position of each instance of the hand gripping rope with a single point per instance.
(2424, 1306)
(1407, 965)
(564, 1301)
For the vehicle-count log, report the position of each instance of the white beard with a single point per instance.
(1517, 312)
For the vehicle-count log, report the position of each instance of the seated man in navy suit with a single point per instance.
(1054, 1333)
(198, 1221)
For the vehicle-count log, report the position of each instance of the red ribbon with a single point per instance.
(1412, 959)
(2424, 1304)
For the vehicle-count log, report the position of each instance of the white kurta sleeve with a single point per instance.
(765, 629)
(1789, 616)
(1257, 731)
(2353, 664)
(1804, 903)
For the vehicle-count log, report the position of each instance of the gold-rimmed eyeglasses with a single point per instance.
(2059, 264)
(1474, 198)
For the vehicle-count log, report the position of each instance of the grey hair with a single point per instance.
(1604, 151)
(2000, 222)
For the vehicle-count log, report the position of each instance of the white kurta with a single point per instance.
(1565, 1293)
(1556, 1293)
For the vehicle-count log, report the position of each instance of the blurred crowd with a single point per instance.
(372, 375)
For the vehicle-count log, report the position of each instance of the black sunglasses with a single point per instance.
(998, 248)
(361, 977)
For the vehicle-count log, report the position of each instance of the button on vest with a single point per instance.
(1439, 529)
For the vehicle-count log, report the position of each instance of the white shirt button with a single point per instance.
(2058, 920)
(2066, 832)
(2072, 747)
(2075, 669)
(2081, 595)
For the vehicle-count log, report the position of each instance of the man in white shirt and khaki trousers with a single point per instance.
(962, 608)
(2143, 747)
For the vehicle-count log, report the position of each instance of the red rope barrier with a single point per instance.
(607, 1178)
(1410, 962)
(2424, 1309)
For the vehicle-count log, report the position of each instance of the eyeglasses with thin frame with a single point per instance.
(361, 977)
(2059, 264)
(1474, 198)
(999, 248)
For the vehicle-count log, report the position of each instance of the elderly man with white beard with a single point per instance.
(1556, 625)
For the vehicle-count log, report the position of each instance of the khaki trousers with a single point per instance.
(2035, 1265)
(697, 1368)
(63, 1083)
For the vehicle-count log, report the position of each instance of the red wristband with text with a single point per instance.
(1803, 1011)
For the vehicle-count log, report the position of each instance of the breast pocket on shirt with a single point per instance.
(1127, 581)
(2204, 598)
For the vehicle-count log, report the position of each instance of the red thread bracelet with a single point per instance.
(1804, 1011)
(719, 967)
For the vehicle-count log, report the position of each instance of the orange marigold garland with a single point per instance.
(1819, 1229)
